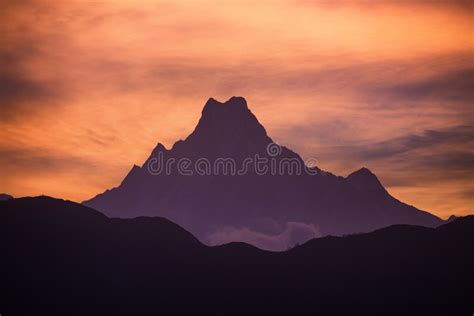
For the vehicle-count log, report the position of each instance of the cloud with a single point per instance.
(60, 174)
(455, 86)
(459, 137)
(432, 154)
(294, 233)
(105, 81)
(15, 89)
(41, 161)
(457, 4)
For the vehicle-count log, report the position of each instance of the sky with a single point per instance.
(88, 88)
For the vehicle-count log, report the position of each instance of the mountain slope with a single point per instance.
(272, 205)
(59, 257)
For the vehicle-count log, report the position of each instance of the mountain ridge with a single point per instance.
(65, 258)
(47, 210)
(275, 209)
(4, 196)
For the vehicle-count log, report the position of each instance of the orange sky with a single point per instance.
(87, 88)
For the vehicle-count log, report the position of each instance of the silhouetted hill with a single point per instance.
(37, 215)
(274, 210)
(4, 197)
(61, 258)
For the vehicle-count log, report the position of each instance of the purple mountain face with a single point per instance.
(228, 181)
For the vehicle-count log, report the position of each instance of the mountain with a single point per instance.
(59, 257)
(245, 187)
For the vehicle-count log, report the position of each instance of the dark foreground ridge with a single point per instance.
(62, 258)
(4, 197)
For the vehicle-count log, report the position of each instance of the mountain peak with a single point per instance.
(230, 124)
(362, 172)
(363, 175)
(227, 197)
(233, 104)
(159, 148)
(232, 108)
(365, 179)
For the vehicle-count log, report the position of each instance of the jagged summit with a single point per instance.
(233, 104)
(228, 117)
(160, 147)
(225, 129)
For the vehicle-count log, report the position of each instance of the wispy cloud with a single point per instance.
(100, 83)
(292, 234)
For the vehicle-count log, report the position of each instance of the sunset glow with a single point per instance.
(87, 88)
